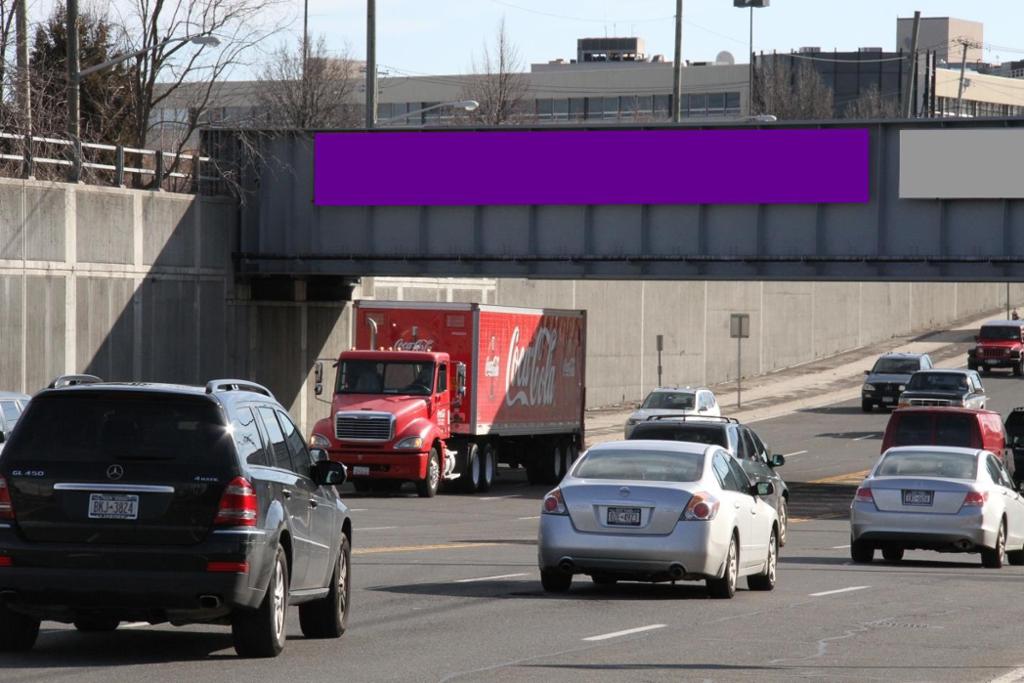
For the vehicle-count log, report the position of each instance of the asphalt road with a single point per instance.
(447, 589)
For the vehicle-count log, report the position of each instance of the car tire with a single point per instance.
(97, 624)
(1018, 368)
(892, 554)
(261, 632)
(361, 485)
(725, 587)
(862, 552)
(555, 581)
(328, 618)
(602, 580)
(1015, 557)
(992, 558)
(18, 632)
(428, 487)
(488, 467)
(783, 515)
(866, 406)
(765, 581)
(469, 482)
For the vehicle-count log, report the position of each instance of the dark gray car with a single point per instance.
(888, 379)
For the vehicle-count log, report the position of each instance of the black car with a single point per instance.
(741, 441)
(958, 388)
(888, 378)
(165, 503)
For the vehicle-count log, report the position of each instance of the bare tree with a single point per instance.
(873, 105)
(791, 93)
(498, 83)
(181, 74)
(317, 92)
(7, 13)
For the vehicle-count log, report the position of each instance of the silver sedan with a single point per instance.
(658, 511)
(938, 498)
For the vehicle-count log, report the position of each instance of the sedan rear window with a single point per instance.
(938, 381)
(712, 436)
(641, 466)
(923, 464)
(102, 428)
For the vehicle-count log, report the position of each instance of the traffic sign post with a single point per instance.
(739, 329)
(660, 341)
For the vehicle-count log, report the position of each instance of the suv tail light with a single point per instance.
(975, 499)
(864, 495)
(6, 506)
(237, 504)
(702, 508)
(554, 504)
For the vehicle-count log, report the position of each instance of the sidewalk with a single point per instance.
(811, 385)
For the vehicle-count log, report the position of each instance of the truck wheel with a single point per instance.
(866, 406)
(568, 456)
(428, 487)
(470, 479)
(556, 464)
(362, 485)
(261, 632)
(488, 465)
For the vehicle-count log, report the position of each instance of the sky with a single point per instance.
(442, 36)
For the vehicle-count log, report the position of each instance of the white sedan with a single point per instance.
(659, 511)
(938, 498)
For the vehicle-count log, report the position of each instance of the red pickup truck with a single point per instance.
(445, 391)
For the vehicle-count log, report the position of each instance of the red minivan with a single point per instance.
(963, 427)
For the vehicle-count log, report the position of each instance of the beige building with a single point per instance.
(942, 34)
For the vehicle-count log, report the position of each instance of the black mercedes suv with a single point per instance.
(166, 503)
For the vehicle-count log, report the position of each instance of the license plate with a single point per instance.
(113, 506)
(888, 399)
(917, 497)
(359, 471)
(992, 361)
(624, 516)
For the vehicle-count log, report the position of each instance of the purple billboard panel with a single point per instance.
(755, 166)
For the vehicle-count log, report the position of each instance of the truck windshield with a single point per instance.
(896, 366)
(385, 377)
(1000, 332)
(937, 381)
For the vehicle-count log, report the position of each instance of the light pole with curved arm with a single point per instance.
(465, 105)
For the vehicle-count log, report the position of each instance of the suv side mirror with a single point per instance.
(867, 372)
(762, 488)
(777, 460)
(318, 378)
(329, 473)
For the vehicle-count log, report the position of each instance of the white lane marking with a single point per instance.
(849, 589)
(496, 497)
(867, 436)
(490, 578)
(790, 455)
(376, 528)
(525, 518)
(357, 509)
(627, 632)
(840, 547)
(134, 624)
(1014, 676)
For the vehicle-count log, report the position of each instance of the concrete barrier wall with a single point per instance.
(790, 323)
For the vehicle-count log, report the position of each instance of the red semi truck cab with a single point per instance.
(443, 392)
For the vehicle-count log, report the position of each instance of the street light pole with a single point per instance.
(677, 66)
(24, 94)
(74, 78)
(751, 4)
(467, 105)
(371, 63)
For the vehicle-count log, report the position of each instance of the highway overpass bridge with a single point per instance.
(919, 200)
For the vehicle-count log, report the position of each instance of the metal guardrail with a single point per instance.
(28, 160)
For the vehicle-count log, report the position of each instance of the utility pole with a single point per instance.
(24, 94)
(74, 130)
(371, 63)
(305, 37)
(963, 68)
(677, 66)
(912, 67)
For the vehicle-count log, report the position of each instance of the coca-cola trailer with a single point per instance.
(508, 385)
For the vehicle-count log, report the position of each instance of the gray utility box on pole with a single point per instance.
(739, 329)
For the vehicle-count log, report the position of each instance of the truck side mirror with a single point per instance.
(318, 378)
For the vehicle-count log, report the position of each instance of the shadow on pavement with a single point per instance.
(71, 649)
(852, 436)
(582, 589)
(820, 501)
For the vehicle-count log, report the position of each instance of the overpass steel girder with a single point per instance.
(889, 238)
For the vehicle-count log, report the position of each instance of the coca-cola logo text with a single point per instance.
(414, 345)
(530, 371)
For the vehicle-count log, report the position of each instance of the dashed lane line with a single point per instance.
(848, 589)
(491, 578)
(790, 455)
(627, 632)
(1015, 676)
(418, 548)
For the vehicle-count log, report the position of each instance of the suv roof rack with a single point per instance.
(73, 380)
(696, 418)
(215, 385)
